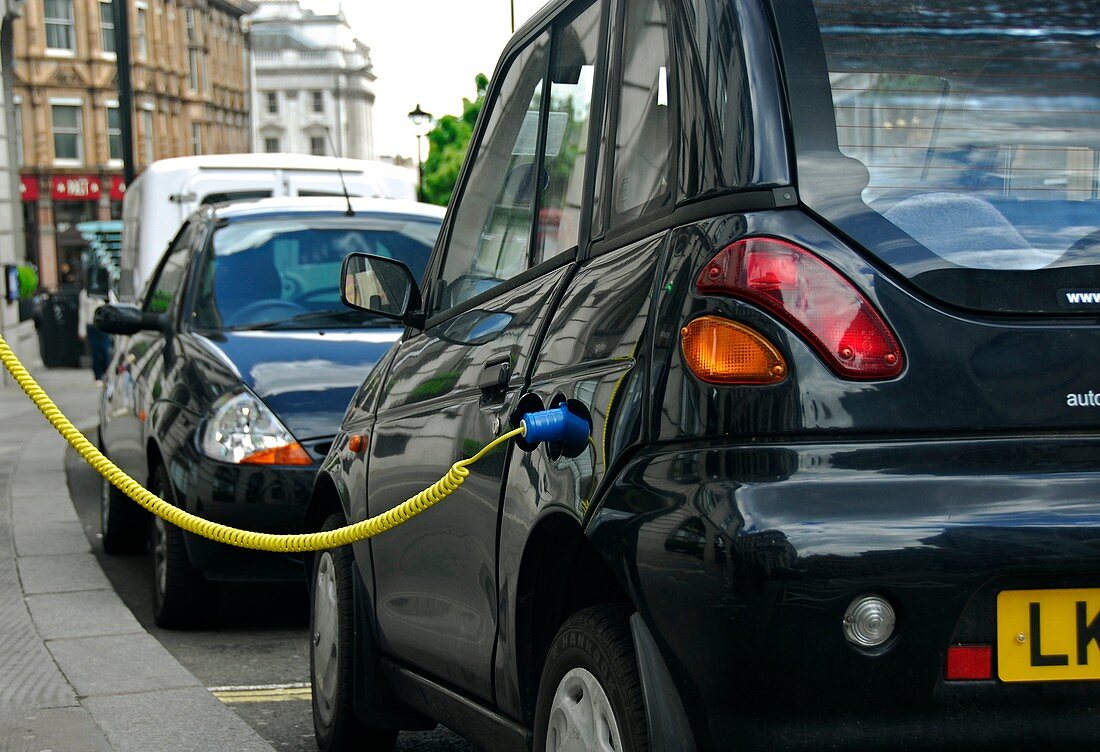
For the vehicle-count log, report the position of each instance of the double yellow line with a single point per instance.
(262, 692)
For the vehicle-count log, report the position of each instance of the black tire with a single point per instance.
(594, 642)
(182, 597)
(336, 726)
(122, 523)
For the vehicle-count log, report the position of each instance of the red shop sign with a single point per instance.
(28, 187)
(75, 188)
(118, 188)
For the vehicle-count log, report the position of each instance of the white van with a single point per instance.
(163, 196)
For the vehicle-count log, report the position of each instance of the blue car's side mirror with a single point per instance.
(128, 319)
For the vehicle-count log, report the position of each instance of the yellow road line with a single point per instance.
(262, 693)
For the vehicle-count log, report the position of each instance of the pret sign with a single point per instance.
(118, 188)
(75, 188)
(28, 187)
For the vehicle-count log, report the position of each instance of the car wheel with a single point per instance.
(332, 655)
(590, 698)
(182, 597)
(121, 521)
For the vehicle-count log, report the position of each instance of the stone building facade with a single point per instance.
(190, 72)
(10, 217)
(313, 81)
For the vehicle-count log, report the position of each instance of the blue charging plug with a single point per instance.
(557, 425)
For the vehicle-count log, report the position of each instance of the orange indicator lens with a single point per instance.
(720, 351)
(291, 454)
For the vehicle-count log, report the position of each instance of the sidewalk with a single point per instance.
(77, 671)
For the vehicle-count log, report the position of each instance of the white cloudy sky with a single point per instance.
(427, 51)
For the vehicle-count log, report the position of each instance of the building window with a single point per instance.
(68, 133)
(193, 69)
(318, 102)
(189, 24)
(147, 126)
(18, 132)
(59, 25)
(114, 133)
(140, 33)
(107, 26)
(272, 99)
(196, 139)
(317, 146)
(271, 145)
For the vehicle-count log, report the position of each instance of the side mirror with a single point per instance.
(379, 285)
(127, 319)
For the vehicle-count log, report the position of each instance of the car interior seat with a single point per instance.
(244, 278)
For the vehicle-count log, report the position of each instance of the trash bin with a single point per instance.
(56, 317)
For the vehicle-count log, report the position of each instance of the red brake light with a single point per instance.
(813, 298)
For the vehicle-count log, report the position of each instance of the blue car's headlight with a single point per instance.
(241, 429)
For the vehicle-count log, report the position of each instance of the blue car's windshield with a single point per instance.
(971, 127)
(285, 272)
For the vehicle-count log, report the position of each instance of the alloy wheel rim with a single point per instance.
(581, 717)
(160, 557)
(325, 645)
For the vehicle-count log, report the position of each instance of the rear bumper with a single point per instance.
(269, 499)
(743, 560)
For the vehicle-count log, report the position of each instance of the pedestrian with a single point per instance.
(99, 342)
(68, 276)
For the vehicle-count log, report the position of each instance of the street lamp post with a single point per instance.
(419, 118)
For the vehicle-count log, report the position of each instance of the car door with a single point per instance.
(140, 361)
(509, 244)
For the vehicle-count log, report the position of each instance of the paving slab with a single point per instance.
(64, 573)
(51, 730)
(91, 613)
(50, 538)
(175, 720)
(119, 664)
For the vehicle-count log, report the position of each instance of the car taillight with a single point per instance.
(720, 351)
(812, 298)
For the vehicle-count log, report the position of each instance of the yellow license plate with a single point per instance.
(1048, 635)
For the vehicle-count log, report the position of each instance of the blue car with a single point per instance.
(233, 373)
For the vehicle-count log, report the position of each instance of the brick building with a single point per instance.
(190, 66)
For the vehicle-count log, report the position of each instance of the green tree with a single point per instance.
(447, 144)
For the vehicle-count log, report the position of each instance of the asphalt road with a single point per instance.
(257, 638)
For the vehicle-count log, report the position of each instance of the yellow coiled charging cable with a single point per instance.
(232, 536)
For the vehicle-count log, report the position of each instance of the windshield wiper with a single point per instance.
(344, 316)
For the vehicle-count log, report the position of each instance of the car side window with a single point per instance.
(572, 77)
(165, 289)
(491, 232)
(643, 143)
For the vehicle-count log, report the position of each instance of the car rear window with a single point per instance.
(968, 145)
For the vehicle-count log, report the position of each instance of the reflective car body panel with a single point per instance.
(448, 628)
(596, 357)
(789, 534)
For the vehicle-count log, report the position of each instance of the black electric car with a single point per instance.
(824, 279)
(237, 366)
